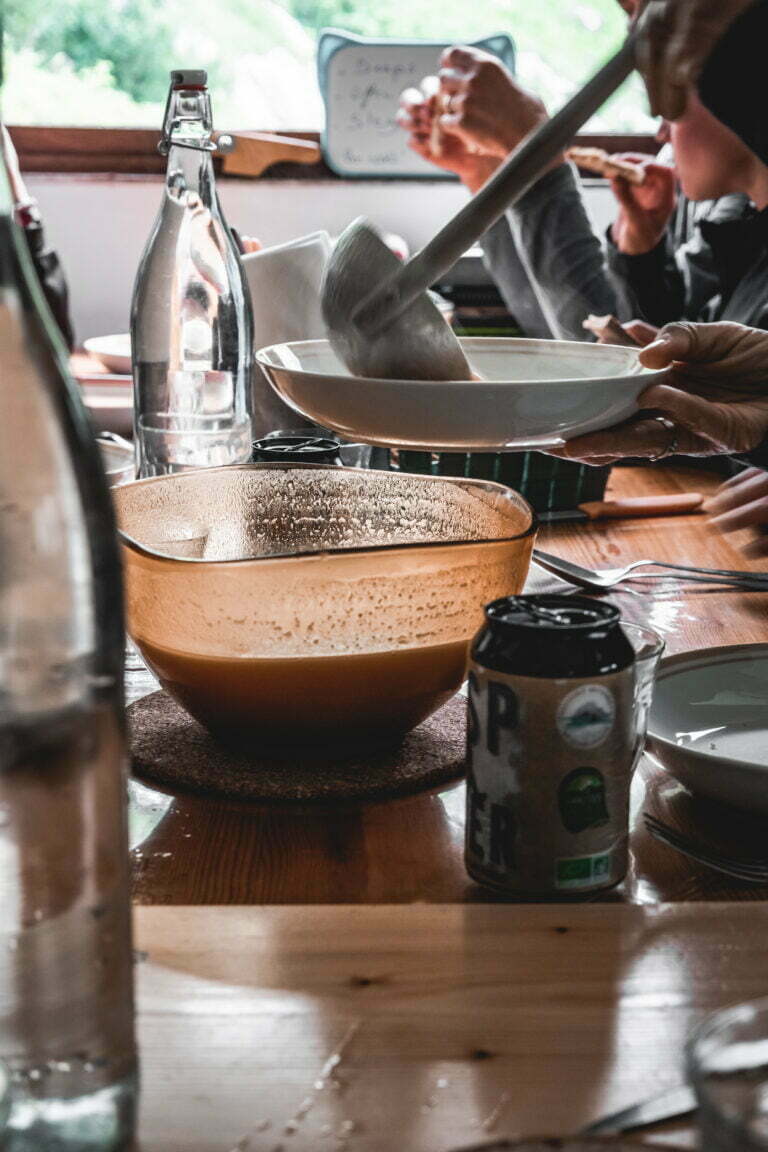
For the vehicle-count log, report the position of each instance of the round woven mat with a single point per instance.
(168, 746)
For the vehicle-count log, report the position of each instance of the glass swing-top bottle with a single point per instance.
(191, 325)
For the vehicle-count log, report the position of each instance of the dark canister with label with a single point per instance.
(550, 746)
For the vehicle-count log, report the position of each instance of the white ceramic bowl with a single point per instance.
(110, 403)
(117, 460)
(534, 394)
(709, 723)
(113, 351)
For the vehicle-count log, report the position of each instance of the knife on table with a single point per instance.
(670, 1105)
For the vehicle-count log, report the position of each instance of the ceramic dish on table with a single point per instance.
(298, 604)
(709, 723)
(113, 351)
(118, 459)
(109, 400)
(533, 394)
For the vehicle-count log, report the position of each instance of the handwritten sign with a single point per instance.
(361, 81)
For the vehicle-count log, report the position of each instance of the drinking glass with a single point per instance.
(727, 1060)
(173, 443)
(649, 648)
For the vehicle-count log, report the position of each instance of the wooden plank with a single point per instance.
(254, 153)
(200, 849)
(461, 1023)
(134, 150)
(45, 148)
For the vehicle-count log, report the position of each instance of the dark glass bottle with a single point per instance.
(66, 1006)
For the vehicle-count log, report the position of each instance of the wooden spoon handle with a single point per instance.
(676, 504)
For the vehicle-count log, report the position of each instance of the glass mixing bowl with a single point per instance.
(308, 605)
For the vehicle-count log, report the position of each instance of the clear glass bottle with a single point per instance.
(66, 964)
(191, 323)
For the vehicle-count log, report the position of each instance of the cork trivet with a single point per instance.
(168, 746)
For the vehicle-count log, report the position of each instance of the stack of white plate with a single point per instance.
(109, 395)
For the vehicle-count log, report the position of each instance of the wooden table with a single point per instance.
(202, 850)
(455, 1024)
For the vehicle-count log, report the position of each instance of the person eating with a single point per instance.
(700, 256)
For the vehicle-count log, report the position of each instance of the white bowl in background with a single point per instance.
(709, 723)
(110, 403)
(113, 351)
(534, 394)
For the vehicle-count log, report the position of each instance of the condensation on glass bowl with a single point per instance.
(292, 560)
(269, 563)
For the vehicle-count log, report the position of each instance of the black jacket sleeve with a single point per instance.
(734, 84)
(652, 279)
(52, 280)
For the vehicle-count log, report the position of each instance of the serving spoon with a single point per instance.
(380, 321)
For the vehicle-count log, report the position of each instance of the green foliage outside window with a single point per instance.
(107, 61)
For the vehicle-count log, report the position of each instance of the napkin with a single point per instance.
(285, 285)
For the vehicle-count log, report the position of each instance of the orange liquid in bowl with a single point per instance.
(338, 699)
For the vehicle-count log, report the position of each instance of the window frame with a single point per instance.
(118, 152)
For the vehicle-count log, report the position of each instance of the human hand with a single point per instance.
(715, 400)
(608, 330)
(419, 113)
(742, 502)
(674, 40)
(250, 244)
(644, 209)
(484, 106)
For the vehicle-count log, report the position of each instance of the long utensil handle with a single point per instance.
(518, 172)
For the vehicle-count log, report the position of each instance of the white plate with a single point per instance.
(535, 393)
(110, 403)
(113, 351)
(709, 723)
(118, 462)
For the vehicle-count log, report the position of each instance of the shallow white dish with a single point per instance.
(535, 393)
(709, 723)
(110, 403)
(117, 460)
(113, 351)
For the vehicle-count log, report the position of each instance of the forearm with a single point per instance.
(562, 255)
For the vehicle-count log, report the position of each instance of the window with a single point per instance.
(105, 63)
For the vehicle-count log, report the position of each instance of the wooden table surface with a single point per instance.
(454, 1024)
(192, 849)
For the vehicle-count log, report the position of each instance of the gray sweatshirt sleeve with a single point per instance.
(561, 255)
(503, 261)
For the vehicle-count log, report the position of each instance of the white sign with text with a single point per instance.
(361, 81)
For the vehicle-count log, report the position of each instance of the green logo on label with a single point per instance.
(583, 871)
(581, 797)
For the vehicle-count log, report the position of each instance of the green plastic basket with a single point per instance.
(547, 483)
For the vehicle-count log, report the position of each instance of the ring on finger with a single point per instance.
(670, 448)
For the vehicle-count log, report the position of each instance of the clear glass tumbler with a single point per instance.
(649, 648)
(176, 443)
(728, 1068)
